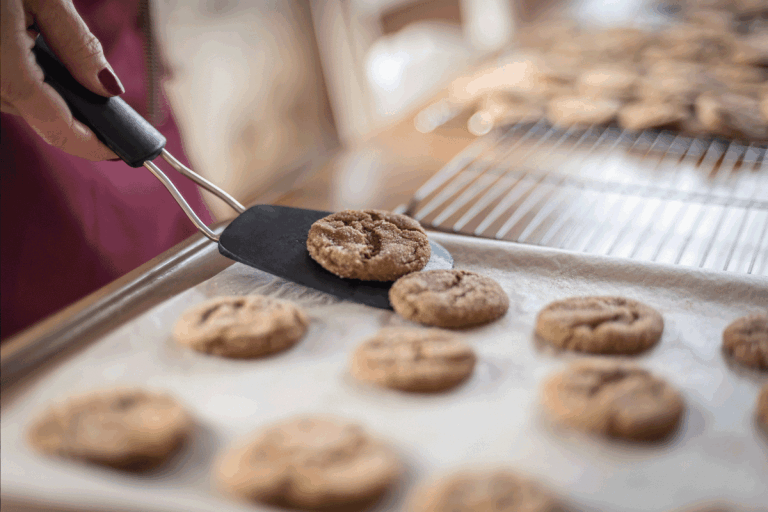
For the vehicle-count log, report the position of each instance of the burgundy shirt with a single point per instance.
(70, 226)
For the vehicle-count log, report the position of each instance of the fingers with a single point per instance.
(76, 47)
(47, 113)
(23, 91)
(41, 106)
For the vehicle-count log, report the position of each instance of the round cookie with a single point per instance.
(614, 400)
(310, 462)
(746, 341)
(577, 110)
(371, 245)
(608, 81)
(241, 327)
(705, 507)
(127, 429)
(731, 114)
(422, 360)
(761, 410)
(600, 325)
(485, 491)
(448, 298)
(644, 115)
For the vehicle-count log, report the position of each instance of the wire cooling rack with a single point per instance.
(655, 195)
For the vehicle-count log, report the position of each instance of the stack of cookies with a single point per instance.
(326, 463)
(381, 246)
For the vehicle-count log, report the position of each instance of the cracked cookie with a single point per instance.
(241, 327)
(761, 411)
(746, 341)
(752, 50)
(613, 399)
(371, 245)
(488, 490)
(310, 463)
(644, 115)
(600, 325)
(422, 360)
(679, 87)
(608, 82)
(577, 110)
(125, 428)
(448, 298)
(731, 114)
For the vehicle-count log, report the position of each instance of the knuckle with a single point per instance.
(53, 137)
(20, 75)
(88, 47)
(19, 88)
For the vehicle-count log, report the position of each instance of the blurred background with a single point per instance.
(262, 89)
(650, 109)
(334, 104)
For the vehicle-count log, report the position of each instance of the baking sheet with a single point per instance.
(494, 419)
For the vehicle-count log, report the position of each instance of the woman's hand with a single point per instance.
(23, 90)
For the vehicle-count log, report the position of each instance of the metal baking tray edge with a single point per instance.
(170, 273)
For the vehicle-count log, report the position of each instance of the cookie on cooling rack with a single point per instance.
(731, 114)
(608, 81)
(645, 115)
(577, 110)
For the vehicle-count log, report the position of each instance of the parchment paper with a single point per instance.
(494, 419)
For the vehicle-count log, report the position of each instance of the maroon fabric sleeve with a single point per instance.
(70, 226)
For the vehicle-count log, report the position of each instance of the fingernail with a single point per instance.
(110, 82)
(114, 159)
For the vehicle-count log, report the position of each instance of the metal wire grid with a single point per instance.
(655, 195)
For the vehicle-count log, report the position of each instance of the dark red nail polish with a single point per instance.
(110, 82)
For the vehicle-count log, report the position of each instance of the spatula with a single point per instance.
(269, 238)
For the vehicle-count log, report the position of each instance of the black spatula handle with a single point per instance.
(113, 121)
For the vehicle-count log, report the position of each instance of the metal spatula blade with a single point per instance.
(269, 238)
(274, 239)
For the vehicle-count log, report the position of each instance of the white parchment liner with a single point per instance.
(494, 418)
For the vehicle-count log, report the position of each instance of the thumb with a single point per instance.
(77, 48)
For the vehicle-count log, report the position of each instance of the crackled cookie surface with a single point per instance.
(761, 411)
(125, 428)
(371, 245)
(485, 491)
(644, 115)
(746, 341)
(413, 360)
(448, 298)
(600, 325)
(613, 399)
(577, 110)
(310, 462)
(241, 327)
